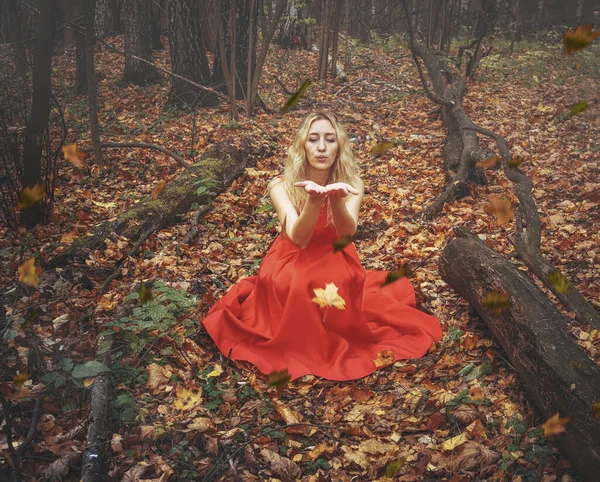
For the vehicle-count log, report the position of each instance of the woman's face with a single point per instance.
(321, 145)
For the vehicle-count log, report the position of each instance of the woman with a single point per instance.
(312, 308)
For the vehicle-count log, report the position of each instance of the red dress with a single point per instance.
(272, 321)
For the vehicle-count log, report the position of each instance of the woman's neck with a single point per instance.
(316, 175)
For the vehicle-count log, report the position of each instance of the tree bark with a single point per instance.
(223, 163)
(90, 41)
(138, 42)
(16, 37)
(558, 375)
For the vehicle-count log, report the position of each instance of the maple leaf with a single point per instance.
(72, 154)
(559, 281)
(158, 188)
(395, 275)
(329, 297)
(578, 108)
(380, 148)
(579, 38)
(496, 300)
(384, 358)
(342, 242)
(490, 163)
(187, 399)
(278, 379)
(29, 273)
(31, 195)
(555, 425)
(500, 207)
(295, 97)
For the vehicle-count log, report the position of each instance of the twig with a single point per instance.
(143, 145)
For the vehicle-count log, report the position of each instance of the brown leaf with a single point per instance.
(501, 208)
(384, 358)
(158, 188)
(281, 466)
(490, 163)
(579, 39)
(470, 456)
(157, 376)
(72, 154)
(555, 425)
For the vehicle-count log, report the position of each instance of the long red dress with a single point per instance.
(271, 321)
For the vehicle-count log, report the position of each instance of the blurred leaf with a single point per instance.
(454, 442)
(578, 108)
(596, 408)
(342, 242)
(21, 378)
(395, 275)
(145, 293)
(31, 195)
(278, 379)
(579, 39)
(158, 188)
(555, 425)
(559, 281)
(72, 154)
(494, 162)
(496, 300)
(500, 207)
(380, 148)
(293, 100)
(393, 467)
(29, 273)
(515, 162)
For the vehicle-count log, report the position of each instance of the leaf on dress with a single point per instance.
(342, 242)
(329, 297)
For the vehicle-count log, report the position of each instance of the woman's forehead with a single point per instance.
(321, 126)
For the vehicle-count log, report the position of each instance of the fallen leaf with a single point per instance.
(281, 466)
(384, 358)
(107, 205)
(31, 195)
(278, 379)
(29, 273)
(157, 376)
(555, 425)
(329, 297)
(69, 237)
(21, 378)
(158, 188)
(579, 38)
(187, 399)
(471, 456)
(476, 393)
(454, 442)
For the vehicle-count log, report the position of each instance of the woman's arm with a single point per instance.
(298, 228)
(345, 207)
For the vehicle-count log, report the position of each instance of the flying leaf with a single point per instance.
(72, 154)
(31, 195)
(579, 39)
(500, 207)
(395, 275)
(187, 399)
(515, 162)
(293, 100)
(158, 188)
(555, 425)
(559, 281)
(490, 163)
(596, 408)
(329, 297)
(578, 108)
(380, 148)
(342, 242)
(21, 378)
(145, 293)
(393, 467)
(29, 273)
(278, 379)
(496, 300)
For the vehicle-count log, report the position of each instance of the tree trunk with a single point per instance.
(223, 163)
(188, 55)
(558, 375)
(16, 37)
(293, 32)
(89, 8)
(40, 107)
(138, 42)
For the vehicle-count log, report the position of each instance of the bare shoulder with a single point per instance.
(276, 181)
(360, 185)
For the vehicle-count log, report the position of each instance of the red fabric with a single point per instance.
(270, 320)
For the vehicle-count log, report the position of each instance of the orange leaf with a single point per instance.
(31, 195)
(21, 378)
(29, 273)
(72, 154)
(384, 358)
(579, 39)
(500, 207)
(158, 188)
(491, 162)
(555, 425)
(596, 408)
(476, 393)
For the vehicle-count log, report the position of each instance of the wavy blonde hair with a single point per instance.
(344, 168)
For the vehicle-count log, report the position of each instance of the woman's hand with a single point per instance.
(315, 191)
(339, 190)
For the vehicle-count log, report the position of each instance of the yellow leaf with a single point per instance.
(454, 442)
(104, 205)
(278, 379)
(476, 393)
(29, 273)
(380, 148)
(384, 358)
(293, 100)
(579, 39)
(31, 195)
(72, 154)
(542, 108)
(559, 281)
(501, 208)
(329, 297)
(88, 382)
(555, 425)
(496, 300)
(157, 376)
(21, 378)
(217, 370)
(69, 237)
(158, 188)
(187, 399)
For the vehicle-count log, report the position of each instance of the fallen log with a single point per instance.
(557, 374)
(221, 163)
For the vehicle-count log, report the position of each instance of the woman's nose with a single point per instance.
(321, 145)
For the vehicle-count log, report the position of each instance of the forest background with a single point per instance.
(136, 143)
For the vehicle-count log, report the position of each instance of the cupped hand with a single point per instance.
(314, 190)
(339, 189)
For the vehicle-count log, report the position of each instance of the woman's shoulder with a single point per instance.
(277, 180)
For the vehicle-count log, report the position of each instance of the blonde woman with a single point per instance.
(312, 308)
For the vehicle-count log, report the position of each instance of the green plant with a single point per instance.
(204, 186)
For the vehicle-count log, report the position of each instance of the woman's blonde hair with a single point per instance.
(344, 168)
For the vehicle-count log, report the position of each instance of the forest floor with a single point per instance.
(180, 410)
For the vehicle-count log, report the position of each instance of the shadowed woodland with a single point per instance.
(137, 140)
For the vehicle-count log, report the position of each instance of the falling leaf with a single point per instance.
(380, 148)
(454, 442)
(579, 39)
(496, 300)
(476, 393)
(187, 399)
(490, 163)
(384, 358)
(31, 195)
(578, 108)
(559, 282)
(278, 379)
(596, 408)
(555, 425)
(293, 100)
(395, 275)
(72, 154)
(217, 370)
(158, 188)
(104, 205)
(515, 162)
(21, 378)
(88, 382)
(500, 207)
(29, 273)
(145, 293)
(342, 242)
(542, 108)
(329, 297)
(393, 467)
(69, 237)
